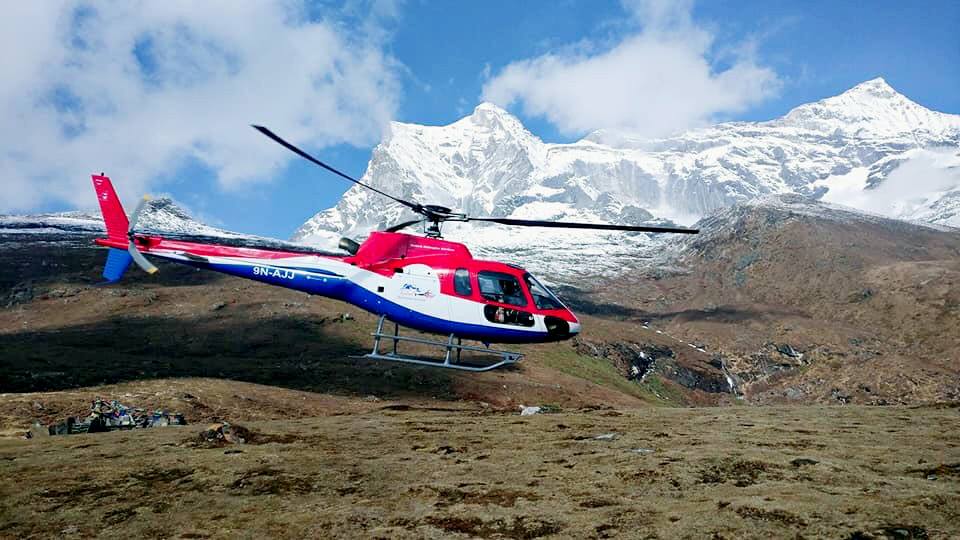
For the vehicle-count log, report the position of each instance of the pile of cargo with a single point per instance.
(109, 416)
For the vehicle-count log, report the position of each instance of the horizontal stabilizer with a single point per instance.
(118, 261)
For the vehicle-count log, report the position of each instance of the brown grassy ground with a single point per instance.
(394, 472)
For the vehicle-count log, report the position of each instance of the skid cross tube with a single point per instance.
(449, 346)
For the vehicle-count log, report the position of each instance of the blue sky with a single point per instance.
(431, 63)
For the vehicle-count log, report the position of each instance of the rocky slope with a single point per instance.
(805, 301)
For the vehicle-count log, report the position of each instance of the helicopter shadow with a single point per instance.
(300, 353)
(730, 314)
(82, 266)
(581, 302)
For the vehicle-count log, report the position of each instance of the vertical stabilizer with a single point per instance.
(114, 218)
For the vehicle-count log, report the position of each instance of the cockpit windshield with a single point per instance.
(500, 287)
(542, 297)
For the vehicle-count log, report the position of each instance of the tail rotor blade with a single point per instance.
(138, 258)
(136, 213)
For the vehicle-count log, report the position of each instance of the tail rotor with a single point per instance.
(120, 230)
(132, 249)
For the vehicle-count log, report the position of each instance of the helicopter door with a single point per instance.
(418, 288)
(504, 289)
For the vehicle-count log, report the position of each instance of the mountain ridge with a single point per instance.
(161, 216)
(840, 149)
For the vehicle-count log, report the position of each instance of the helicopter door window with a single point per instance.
(461, 282)
(505, 315)
(503, 288)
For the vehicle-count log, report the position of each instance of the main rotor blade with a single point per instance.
(276, 138)
(402, 225)
(576, 225)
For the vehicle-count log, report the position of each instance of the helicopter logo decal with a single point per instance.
(412, 291)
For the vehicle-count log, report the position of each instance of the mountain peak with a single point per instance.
(869, 109)
(877, 88)
(491, 115)
(874, 94)
(488, 107)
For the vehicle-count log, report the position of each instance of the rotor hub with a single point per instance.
(433, 230)
(437, 209)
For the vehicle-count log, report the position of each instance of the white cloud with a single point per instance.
(137, 88)
(910, 191)
(914, 185)
(655, 81)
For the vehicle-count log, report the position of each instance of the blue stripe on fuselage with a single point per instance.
(334, 286)
(320, 282)
(303, 269)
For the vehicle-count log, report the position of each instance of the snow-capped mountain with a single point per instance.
(160, 216)
(68, 223)
(869, 147)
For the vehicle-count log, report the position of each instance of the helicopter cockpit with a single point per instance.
(501, 288)
(542, 296)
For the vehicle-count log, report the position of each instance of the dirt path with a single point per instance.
(421, 473)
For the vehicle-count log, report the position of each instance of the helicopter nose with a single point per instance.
(560, 328)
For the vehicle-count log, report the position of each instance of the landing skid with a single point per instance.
(453, 348)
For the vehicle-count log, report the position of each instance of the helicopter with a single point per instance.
(423, 283)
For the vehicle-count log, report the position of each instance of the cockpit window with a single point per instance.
(501, 288)
(542, 297)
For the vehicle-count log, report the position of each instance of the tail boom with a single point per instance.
(126, 246)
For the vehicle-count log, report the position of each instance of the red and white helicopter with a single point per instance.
(420, 282)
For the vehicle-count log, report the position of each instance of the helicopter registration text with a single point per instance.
(273, 272)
